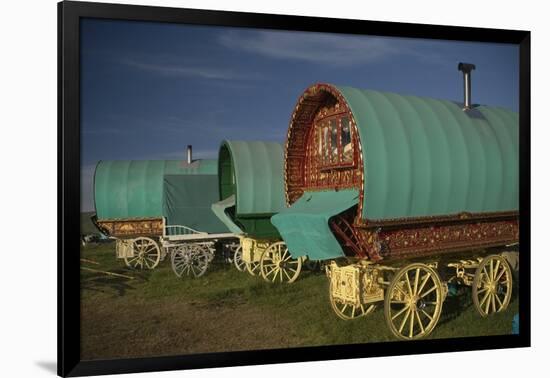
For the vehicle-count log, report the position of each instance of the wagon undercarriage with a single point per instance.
(412, 294)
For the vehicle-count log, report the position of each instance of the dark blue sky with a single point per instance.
(149, 89)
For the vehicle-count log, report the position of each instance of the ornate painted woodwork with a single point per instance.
(125, 228)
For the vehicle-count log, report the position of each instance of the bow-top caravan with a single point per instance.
(401, 196)
(155, 207)
(251, 190)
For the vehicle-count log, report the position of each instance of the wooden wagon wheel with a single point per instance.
(146, 254)
(253, 267)
(492, 286)
(346, 311)
(277, 264)
(190, 260)
(413, 301)
(238, 259)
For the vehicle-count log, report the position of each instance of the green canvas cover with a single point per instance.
(304, 225)
(126, 189)
(187, 200)
(252, 172)
(428, 157)
(224, 210)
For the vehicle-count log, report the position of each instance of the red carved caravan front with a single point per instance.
(304, 166)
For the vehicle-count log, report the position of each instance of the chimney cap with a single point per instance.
(466, 67)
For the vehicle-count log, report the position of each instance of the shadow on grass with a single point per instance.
(105, 283)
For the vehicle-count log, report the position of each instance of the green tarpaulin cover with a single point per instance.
(221, 208)
(187, 201)
(304, 225)
(428, 157)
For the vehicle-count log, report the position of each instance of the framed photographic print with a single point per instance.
(251, 188)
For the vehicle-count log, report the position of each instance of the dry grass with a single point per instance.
(158, 314)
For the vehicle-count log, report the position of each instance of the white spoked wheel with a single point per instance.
(190, 260)
(238, 259)
(277, 265)
(492, 287)
(146, 254)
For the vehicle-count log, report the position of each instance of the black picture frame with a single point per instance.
(69, 16)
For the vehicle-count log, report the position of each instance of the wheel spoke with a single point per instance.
(287, 275)
(273, 268)
(400, 311)
(405, 319)
(416, 277)
(485, 271)
(487, 306)
(344, 308)
(419, 320)
(133, 259)
(429, 291)
(402, 291)
(484, 299)
(409, 284)
(423, 283)
(496, 269)
(499, 302)
(500, 274)
(411, 325)
(427, 315)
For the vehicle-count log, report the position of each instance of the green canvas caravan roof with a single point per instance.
(251, 173)
(135, 188)
(428, 157)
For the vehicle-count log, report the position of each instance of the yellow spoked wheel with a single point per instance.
(492, 286)
(277, 265)
(146, 254)
(413, 301)
(253, 268)
(347, 311)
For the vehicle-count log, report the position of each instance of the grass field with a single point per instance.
(156, 313)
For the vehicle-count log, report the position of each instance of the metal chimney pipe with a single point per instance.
(189, 154)
(466, 69)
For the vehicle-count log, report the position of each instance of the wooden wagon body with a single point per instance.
(384, 181)
(159, 207)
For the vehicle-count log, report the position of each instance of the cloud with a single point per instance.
(342, 50)
(328, 49)
(183, 70)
